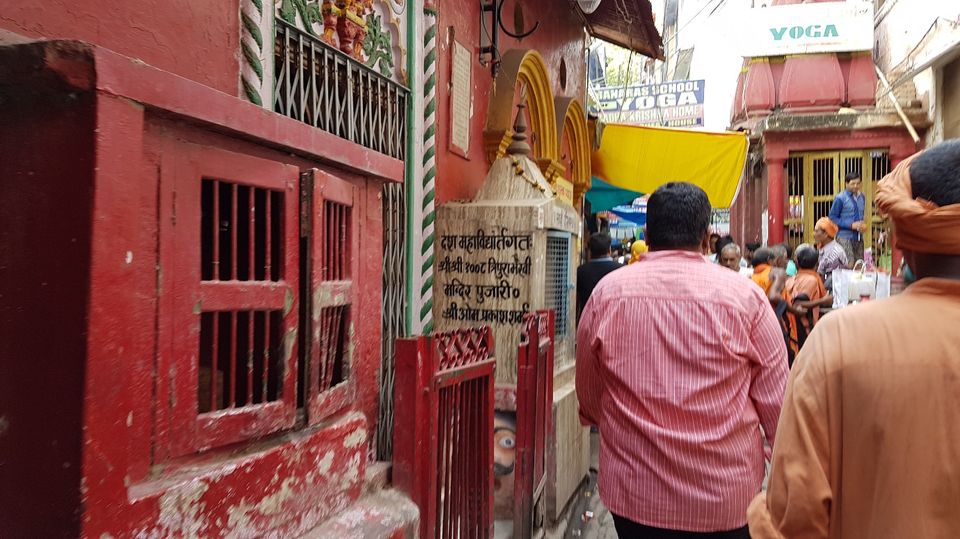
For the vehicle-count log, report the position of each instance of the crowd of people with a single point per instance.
(695, 375)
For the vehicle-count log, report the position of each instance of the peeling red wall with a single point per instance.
(199, 40)
(79, 317)
(559, 37)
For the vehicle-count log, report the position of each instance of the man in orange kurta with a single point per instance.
(868, 444)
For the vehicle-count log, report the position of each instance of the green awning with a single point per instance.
(602, 196)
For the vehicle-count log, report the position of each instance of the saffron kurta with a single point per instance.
(868, 444)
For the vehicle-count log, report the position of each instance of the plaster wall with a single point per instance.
(559, 38)
(196, 40)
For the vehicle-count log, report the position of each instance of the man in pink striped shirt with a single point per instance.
(679, 364)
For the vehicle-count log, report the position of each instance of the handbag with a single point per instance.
(858, 285)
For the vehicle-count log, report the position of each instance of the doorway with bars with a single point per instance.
(814, 179)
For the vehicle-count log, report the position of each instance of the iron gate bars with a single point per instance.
(443, 434)
(320, 86)
(534, 414)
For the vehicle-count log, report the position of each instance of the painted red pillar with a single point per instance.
(775, 198)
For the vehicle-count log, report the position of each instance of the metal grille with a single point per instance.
(534, 412)
(332, 329)
(444, 442)
(796, 212)
(240, 240)
(337, 254)
(239, 359)
(815, 179)
(392, 314)
(319, 85)
(240, 232)
(880, 230)
(558, 278)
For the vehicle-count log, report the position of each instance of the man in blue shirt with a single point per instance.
(847, 213)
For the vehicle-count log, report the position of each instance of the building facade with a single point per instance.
(813, 118)
(218, 217)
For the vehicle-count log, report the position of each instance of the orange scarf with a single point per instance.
(921, 226)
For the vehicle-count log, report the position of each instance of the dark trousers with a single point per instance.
(628, 529)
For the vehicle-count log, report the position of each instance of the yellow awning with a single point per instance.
(642, 158)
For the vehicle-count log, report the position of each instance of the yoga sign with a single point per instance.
(808, 28)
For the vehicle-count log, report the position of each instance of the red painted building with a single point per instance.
(813, 118)
(191, 283)
(197, 217)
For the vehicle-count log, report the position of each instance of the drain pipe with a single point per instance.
(893, 98)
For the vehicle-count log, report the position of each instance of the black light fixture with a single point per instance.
(490, 53)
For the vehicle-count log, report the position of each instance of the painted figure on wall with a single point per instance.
(504, 460)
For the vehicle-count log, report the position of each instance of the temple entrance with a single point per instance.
(815, 178)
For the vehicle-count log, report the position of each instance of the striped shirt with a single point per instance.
(679, 364)
(832, 256)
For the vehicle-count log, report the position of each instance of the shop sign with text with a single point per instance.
(808, 28)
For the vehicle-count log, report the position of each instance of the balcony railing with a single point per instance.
(320, 86)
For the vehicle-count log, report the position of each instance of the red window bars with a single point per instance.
(443, 440)
(534, 414)
(332, 239)
(229, 281)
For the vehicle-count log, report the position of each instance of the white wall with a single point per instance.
(716, 58)
(901, 25)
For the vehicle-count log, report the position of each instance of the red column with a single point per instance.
(775, 199)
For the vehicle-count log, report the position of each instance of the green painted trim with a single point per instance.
(253, 59)
(253, 28)
(252, 93)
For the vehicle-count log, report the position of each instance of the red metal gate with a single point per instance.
(534, 412)
(443, 431)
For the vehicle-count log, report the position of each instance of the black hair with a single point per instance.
(678, 215)
(807, 257)
(851, 176)
(599, 245)
(753, 246)
(722, 243)
(762, 255)
(789, 249)
(935, 174)
(715, 235)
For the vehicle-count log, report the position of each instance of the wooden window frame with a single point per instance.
(180, 429)
(319, 187)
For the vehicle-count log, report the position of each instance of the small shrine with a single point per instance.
(508, 252)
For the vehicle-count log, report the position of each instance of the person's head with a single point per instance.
(714, 238)
(729, 256)
(599, 245)
(678, 217)
(751, 248)
(853, 182)
(763, 255)
(637, 250)
(807, 257)
(935, 177)
(789, 249)
(780, 255)
(723, 242)
(824, 231)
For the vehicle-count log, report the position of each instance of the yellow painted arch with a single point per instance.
(572, 126)
(523, 67)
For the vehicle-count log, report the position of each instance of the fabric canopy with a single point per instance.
(602, 196)
(640, 159)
